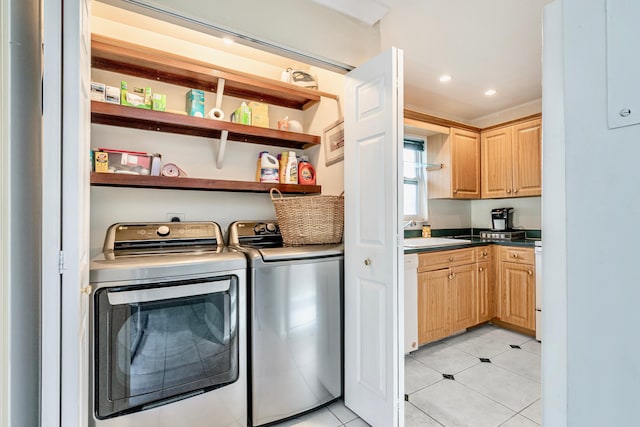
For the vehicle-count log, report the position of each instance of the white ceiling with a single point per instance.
(482, 44)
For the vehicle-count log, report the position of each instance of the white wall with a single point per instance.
(196, 155)
(601, 170)
(21, 214)
(445, 213)
(527, 212)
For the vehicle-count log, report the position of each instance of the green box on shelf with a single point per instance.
(139, 97)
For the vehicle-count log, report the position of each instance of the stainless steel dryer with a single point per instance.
(168, 328)
(296, 326)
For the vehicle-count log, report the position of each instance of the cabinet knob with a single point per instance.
(455, 191)
(481, 269)
(515, 255)
(508, 191)
(515, 190)
(484, 253)
(451, 259)
(530, 273)
(367, 261)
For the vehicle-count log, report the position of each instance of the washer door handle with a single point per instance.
(367, 262)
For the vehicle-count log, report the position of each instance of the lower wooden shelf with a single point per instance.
(164, 182)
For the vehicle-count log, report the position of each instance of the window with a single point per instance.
(414, 179)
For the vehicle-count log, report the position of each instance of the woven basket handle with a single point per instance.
(279, 193)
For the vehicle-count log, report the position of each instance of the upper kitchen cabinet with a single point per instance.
(457, 156)
(512, 160)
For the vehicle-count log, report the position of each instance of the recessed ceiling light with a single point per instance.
(227, 40)
(490, 92)
(445, 78)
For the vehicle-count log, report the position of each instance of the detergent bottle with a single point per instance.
(269, 168)
(306, 172)
(259, 166)
(291, 175)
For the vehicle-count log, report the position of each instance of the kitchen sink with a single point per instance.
(428, 242)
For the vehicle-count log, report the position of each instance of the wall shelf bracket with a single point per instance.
(223, 145)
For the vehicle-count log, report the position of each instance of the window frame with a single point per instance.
(419, 146)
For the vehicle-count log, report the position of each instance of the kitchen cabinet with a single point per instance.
(485, 280)
(512, 160)
(458, 154)
(517, 287)
(446, 293)
(133, 60)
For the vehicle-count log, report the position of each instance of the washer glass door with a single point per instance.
(157, 343)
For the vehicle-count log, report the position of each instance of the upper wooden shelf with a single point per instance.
(140, 61)
(173, 183)
(139, 118)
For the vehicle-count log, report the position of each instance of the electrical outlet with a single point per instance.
(175, 217)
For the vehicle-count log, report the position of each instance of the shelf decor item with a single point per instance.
(333, 140)
(309, 220)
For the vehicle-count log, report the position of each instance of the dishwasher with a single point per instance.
(295, 319)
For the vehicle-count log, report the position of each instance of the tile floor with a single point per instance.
(495, 382)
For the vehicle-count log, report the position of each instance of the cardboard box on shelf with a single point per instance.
(195, 102)
(130, 162)
(98, 91)
(139, 97)
(112, 95)
(158, 101)
(259, 114)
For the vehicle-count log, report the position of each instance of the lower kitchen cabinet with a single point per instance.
(485, 284)
(461, 288)
(433, 305)
(446, 296)
(517, 284)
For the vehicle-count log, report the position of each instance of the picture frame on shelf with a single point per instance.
(333, 140)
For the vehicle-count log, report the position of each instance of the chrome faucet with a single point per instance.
(411, 223)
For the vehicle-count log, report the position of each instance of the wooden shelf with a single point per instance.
(160, 121)
(140, 61)
(163, 182)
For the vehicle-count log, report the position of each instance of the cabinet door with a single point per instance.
(465, 164)
(517, 300)
(433, 305)
(462, 292)
(485, 291)
(496, 163)
(527, 158)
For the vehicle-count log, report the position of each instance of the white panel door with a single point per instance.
(76, 119)
(374, 368)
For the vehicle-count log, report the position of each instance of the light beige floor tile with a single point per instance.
(534, 412)
(417, 375)
(511, 390)
(341, 412)
(519, 421)
(357, 423)
(511, 337)
(454, 405)
(532, 346)
(486, 345)
(521, 362)
(414, 417)
(445, 359)
(320, 418)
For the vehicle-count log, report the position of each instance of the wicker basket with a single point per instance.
(309, 220)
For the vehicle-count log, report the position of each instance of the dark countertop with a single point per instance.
(475, 241)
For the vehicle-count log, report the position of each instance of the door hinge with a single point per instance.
(61, 267)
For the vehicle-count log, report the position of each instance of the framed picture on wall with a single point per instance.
(334, 142)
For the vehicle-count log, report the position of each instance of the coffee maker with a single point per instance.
(502, 219)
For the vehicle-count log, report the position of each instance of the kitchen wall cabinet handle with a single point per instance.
(530, 273)
(367, 261)
(481, 269)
